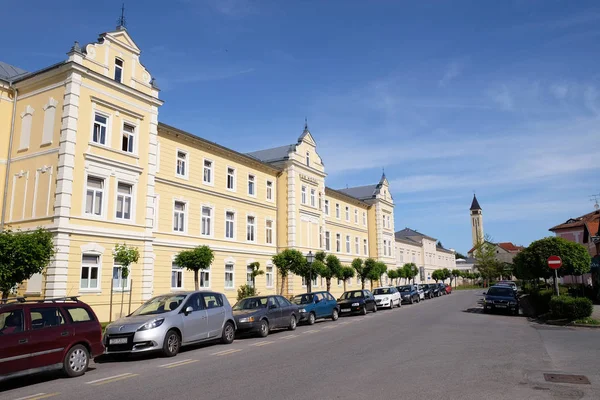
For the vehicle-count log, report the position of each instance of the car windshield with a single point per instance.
(356, 294)
(251, 303)
(405, 288)
(160, 305)
(500, 291)
(382, 291)
(303, 299)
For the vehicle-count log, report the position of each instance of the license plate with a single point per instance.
(501, 305)
(118, 341)
(345, 310)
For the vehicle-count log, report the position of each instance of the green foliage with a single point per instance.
(437, 275)
(196, 259)
(401, 273)
(485, 259)
(345, 273)
(331, 268)
(410, 271)
(256, 271)
(321, 256)
(23, 254)
(532, 263)
(308, 271)
(571, 308)
(379, 268)
(289, 260)
(246, 291)
(125, 256)
(392, 274)
(587, 321)
(446, 273)
(362, 270)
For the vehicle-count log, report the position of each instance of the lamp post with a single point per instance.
(310, 258)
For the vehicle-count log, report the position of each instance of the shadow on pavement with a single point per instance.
(42, 377)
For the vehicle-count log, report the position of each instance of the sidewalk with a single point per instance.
(596, 312)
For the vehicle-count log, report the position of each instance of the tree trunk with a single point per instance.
(282, 285)
(196, 284)
(328, 281)
(4, 294)
(122, 295)
(362, 283)
(344, 285)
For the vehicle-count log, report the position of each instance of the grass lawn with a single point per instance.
(588, 321)
(467, 287)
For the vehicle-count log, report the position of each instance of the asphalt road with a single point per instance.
(443, 348)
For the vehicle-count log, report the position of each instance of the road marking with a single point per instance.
(343, 323)
(330, 327)
(176, 362)
(263, 343)
(225, 352)
(288, 337)
(111, 379)
(182, 363)
(313, 331)
(38, 396)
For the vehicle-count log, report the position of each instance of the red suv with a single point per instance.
(43, 335)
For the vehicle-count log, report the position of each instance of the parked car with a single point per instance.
(448, 289)
(357, 301)
(387, 297)
(501, 298)
(428, 290)
(512, 284)
(420, 291)
(167, 322)
(262, 314)
(409, 294)
(442, 287)
(313, 306)
(37, 336)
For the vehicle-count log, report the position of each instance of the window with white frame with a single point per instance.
(389, 218)
(181, 163)
(384, 247)
(249, 280)
(269, 275)
(128, 141)
(365, 247)
(347, 213)
(313, 198)
(251, 185)
(251, 228)
(90, 271)
(338, 242)
(207, 176)
(204, 278)
(124, 200)
(364, 218)
(303, 197)
(389, 248)
(356, 216)
(94, 195)
(384, 221)
(229, 270)
(356, 245)
(269, 190)
(206, 221)
(100, 128)
(337, 210)
(327, 240)
(269, 231)
(120, 282)
(229, 224)
(230, 178)
(348, 244)
(401, 256)
(326, 207)
(179, 216)
(176, 276)
(118, 70)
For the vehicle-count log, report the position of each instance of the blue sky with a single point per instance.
(501, 98)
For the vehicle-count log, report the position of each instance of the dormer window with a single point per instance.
(307, 159)
(118, 70)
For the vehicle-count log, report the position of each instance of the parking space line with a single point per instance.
(225, 352)
(313, 331)
(288, 337)
(259, 344)
(182, 363)
(38, 396)
(111, 379)
(176, 362)
(330, 326)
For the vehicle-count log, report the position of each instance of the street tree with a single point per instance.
(23, 254)
(456, 273)
(286, 262)
(485, 259)
(411, 271)
(199, 258)
(447, 275)
(256, 271)
(401, 273)
(345, 273)
(393, 275)
(381, 269)
(437, 275)
(332, 266)
(124, 256)
(309, 272)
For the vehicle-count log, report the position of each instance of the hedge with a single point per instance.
(571, 308)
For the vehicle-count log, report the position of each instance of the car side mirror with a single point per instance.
(272, 306)
(188, 310)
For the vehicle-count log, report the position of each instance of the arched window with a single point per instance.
(307, 159)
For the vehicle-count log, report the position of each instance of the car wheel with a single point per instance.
(485, 310)
(374, 307)
(76, 361)
(335, 315)
(412, 300)
(171, 344)
(293, 324)
(228, 333)
(311, 318)
(264, 328)
(516, 312)
(399, 303)
(419, 299)
(364, 310)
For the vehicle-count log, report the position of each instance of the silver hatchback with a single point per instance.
(165, 323)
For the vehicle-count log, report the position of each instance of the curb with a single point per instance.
(585, 326)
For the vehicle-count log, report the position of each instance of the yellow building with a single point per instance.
(85, 156)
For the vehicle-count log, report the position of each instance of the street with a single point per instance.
(440, 348)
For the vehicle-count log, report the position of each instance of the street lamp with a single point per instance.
(310, 258)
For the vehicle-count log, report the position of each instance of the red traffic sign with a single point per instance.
(554, 262)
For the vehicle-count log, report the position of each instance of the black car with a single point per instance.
(442, 289)
(357, 301)
(427, 290)
(501, 298)
(409, 294)
(262, 314)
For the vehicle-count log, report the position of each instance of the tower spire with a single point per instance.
(305, 124)
(121, 20)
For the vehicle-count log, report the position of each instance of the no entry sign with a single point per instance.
(554, 262)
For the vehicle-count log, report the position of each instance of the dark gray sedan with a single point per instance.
(262, 314)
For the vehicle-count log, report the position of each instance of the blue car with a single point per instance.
(313, 306)
(409, 294)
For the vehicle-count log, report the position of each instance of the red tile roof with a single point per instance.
(590, 220)
(511, 248)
